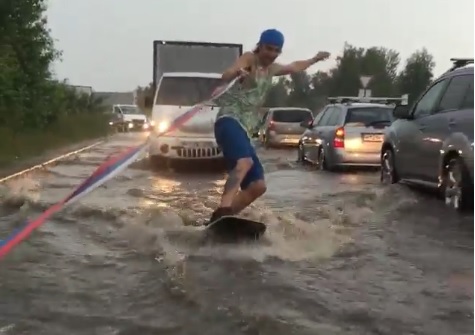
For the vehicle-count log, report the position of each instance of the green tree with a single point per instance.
(321, 84)
(26, 53)
(381, 64)
(278, 94)
(377, 62)
(345, 77)
(37, 112)
(300, 89)
(417, 74)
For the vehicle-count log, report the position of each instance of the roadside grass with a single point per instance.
(15, 147)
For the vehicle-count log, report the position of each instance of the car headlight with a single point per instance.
(163, 126)
(130, 125)
(152, 123)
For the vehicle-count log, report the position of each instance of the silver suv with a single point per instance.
(431, 143)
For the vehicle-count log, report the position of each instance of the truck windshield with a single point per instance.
(130, 110)
(185, 91)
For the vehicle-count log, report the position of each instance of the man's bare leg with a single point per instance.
(248, 196)
(235, 177)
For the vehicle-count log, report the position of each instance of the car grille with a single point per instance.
(198, 152)
(138, 122)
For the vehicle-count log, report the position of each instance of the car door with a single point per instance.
(315, 138)
(329, 131)
(410, 134)
(442, 123)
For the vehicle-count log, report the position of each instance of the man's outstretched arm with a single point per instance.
(299, 65)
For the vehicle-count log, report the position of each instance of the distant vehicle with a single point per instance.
(282, 126)
(128, 118)
(346, 132)
(185, 74)
(431, 143)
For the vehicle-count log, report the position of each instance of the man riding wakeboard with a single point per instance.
(238, 115)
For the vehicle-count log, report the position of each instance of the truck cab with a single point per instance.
(176, 94)
(186, 74)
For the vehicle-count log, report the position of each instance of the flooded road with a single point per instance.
(342, 255)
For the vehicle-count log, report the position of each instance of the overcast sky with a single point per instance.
(107, 44)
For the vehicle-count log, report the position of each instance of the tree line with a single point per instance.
(311, 90)
(31, 100)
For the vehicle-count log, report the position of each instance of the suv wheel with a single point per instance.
(456, 185)
(388, 168)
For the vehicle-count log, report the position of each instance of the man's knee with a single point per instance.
(257, 188)
(243, 165)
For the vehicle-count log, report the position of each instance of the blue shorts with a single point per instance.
(236, 144)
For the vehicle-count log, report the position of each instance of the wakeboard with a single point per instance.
(233, 229)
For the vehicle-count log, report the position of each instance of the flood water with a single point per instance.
(341, 255)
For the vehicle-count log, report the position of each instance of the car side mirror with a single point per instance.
(402, 112)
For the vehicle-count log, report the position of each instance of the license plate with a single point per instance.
(372, 137)
(289, 140)
(197, 144)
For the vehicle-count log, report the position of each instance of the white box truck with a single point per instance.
(184, 74)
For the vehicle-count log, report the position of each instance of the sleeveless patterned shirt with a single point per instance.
(243, 100)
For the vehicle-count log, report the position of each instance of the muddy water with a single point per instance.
(342, 255)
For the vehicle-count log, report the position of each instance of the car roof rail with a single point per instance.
(347, 100)
(460, 62)
(343, 99)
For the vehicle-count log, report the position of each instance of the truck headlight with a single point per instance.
(163, 126)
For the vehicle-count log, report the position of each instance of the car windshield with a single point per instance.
(370, 115)
(185, 91)
(291, 115)
(130, 110)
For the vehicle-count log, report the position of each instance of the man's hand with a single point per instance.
(243, 73)
(321, 55)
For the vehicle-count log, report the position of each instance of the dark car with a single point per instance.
(431, 143)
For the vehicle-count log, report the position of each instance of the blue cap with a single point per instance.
(272, 37)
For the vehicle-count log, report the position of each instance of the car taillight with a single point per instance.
(271, 125)
(339, 141)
